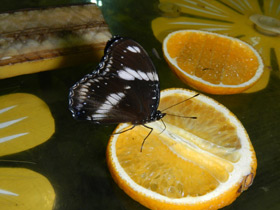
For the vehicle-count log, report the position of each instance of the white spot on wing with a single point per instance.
(133, 73)
(103, 109)
(155, 76)
(134, 49)
(143, 75)
(87, 84)
(82, 98)
(125, 75)
(114, 98)
(111, 100)
(98, 116)
(121, 94)
(82, 93)
(150, 75)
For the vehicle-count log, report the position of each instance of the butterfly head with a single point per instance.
(158, 115)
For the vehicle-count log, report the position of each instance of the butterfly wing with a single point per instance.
(124, 87)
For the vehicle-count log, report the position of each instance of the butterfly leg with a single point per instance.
(163, 125)
(151, 130)
(124, 130)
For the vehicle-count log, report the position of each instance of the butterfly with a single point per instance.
(124, 88)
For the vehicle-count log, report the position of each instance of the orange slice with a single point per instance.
(202, 163)
(212, 63)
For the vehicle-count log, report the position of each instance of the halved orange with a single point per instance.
(211, 62)
(202, 163)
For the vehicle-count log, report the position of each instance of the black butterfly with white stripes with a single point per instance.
(123, 88)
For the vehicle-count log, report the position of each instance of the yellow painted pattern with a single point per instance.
(25, 122)
(23, 189)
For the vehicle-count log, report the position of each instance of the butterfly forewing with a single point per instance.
(124, 87)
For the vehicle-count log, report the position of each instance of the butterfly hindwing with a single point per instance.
(124, 87)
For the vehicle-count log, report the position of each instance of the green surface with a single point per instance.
(74, 158)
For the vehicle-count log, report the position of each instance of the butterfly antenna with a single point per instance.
(180, 102)
(180, 116)
(151, 130)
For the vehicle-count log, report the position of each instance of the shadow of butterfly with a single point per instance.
(123, 89)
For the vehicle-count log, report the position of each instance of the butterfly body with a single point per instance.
(123, 88)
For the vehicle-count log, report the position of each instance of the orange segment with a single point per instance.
(211, 62)
(202, 163)
(241, 65)
(162, 175)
